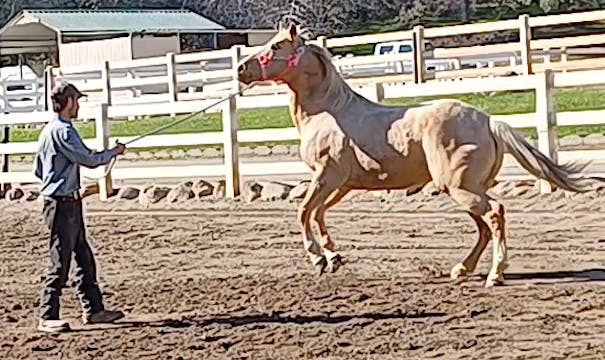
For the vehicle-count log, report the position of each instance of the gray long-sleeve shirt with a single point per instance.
(61, 151)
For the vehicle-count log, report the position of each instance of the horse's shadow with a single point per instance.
(559, 276)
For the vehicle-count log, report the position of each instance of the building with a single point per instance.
(81, 37)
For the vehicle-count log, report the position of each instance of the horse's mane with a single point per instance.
(337, 89)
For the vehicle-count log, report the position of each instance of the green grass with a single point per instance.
(498, 104)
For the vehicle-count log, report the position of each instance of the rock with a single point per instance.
(202, 188)
(245, 151)
(211, 153)
(430, 189)
(152, 194)
(280, 150)
(299, 191)
(503, 187)
(251, 190)
(195, 153)
(162, 154)
(89, 189)
(181, 192)
(220, 189)
(129, 193)
(594, 140)
(145, 155)
(31, 195)
(273, 191)
(14, 194)
(130, 155)
(178, 154)
(262, 151)
(570, 141)
(295, 150)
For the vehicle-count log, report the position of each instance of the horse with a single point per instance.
(351, 143)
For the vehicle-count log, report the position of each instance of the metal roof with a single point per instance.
(101, 21)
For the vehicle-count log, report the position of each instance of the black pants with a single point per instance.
(68, 236)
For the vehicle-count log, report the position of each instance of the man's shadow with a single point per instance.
(274, 317)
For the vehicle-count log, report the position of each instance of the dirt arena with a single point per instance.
(222, 279)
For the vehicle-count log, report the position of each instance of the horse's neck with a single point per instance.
(329, 94)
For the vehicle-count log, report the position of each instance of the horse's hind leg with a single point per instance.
(468, 265)
(334, 259)
(491, 213)
(322, 185)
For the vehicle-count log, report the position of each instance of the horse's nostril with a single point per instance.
(241, 68)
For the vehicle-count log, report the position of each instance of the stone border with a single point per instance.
(512, 193)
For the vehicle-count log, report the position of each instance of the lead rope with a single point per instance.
(169, 125)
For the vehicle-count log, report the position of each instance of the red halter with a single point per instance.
(291, 60)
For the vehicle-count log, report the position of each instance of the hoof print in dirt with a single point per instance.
(251, 191)
(129, 193)
(202, 188)
(153, 194)
(299, 191)
(181, 192)
(273, 191)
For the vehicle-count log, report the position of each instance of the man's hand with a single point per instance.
(120, 148)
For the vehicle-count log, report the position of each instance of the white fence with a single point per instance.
(544, 119)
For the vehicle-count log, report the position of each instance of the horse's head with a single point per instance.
(279, 59)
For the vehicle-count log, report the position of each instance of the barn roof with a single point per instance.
(107, 21)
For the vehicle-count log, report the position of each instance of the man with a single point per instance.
(61, 152)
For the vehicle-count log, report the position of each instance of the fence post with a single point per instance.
(173, 95)
(418, 51)
(236, 54)
(231, 148)
(48, 85)
(102, 132)
(4, 188)
(525, 42)
(106, 82)
(546, 121)
(4, 100)
(322, 41)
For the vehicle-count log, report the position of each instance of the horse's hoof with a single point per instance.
(494, 280)
(458, 270)
(320, 267)
(335, 263)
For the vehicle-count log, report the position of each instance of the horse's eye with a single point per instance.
(275, 47)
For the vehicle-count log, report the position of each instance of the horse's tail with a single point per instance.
(539, 165)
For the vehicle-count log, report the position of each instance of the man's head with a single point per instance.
(65, 98)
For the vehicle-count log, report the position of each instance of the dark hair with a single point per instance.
(59, 102)
(61, 95)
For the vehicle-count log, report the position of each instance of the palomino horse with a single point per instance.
(351, 143)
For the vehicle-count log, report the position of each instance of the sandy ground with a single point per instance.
(223, 279)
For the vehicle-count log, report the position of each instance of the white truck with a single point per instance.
(403, 64)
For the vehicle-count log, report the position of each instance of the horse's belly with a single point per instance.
(392, 173)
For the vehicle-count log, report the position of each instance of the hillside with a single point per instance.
(329, 17)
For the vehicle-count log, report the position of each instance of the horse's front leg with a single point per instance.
(334, 259)
(322, 185)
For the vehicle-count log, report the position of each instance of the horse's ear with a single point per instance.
(280, 25)
(292, 31)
